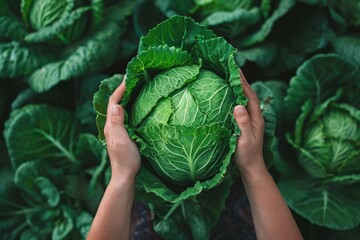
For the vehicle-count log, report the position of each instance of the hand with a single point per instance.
(124, 155)
(248, 154)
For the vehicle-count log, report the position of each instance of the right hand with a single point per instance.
(124, 155)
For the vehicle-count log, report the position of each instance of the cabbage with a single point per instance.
(322, 103)
(46, 13)
(331, 142)
(196, 111)
(179, 98)
(181, 89)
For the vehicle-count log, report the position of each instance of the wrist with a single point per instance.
(121, 178)
(255, 171)
(123, 172)
(120, 188)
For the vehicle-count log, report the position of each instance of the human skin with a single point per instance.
(112, 220)
(272, 218)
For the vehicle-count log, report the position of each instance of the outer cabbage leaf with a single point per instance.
(100, 100)
(266, 98)
(83, 223)
(346, 13)
(192, 218)
(348, 46)
(318, 79)
(97, 8)
(278, 88)
(41, 132)
(12, 29)
(326, 233)
(31, 58)
(32, 175)
(300, 39)
(184, 37)
(260, 34)
(88, 56)
(330, 205)
(9, 223)
(263, 54)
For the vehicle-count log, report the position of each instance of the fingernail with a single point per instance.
(239, 110)
(115, 110)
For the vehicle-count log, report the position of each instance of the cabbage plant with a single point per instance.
(51, 41)
(255, 27)
(181, 89)
(322, 101)
(50, 196)
(52, 164)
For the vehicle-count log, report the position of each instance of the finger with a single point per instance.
(253, 105)
(114, 126)
(243, 121)
(243, 78)
(117, 115)
(115, 98)
(118, 93)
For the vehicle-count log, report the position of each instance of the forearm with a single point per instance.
(272, 217)
(112, 220)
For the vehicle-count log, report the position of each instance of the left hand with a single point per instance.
(249, 153)
(124, 155)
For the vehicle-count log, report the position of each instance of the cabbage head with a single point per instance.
(181, 89)
(46, 13)
(193, 107)
(322, 101)
(330, 145)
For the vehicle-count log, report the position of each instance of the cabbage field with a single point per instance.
(60, 60)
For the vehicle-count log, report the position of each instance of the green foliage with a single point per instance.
(346, 13)
(57, 167)
(71, 39)
(256, 28)
(302, 58)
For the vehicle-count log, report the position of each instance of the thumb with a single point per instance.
(117, 115)
(243, 120)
